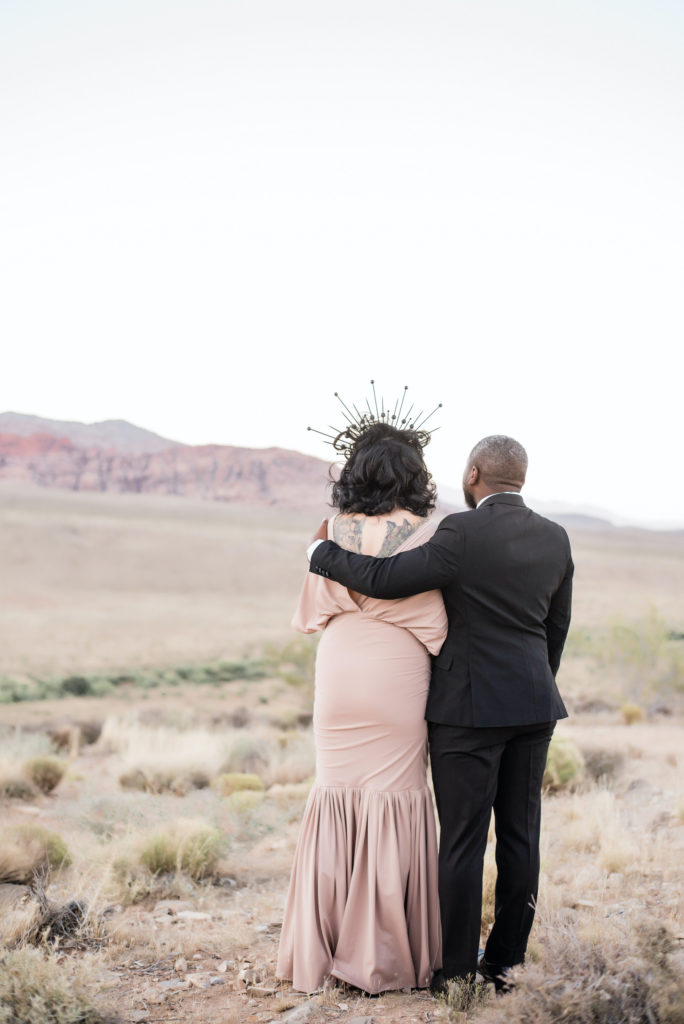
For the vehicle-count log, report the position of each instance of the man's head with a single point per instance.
(496, 463)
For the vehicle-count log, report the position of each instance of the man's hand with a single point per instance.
(321, 533)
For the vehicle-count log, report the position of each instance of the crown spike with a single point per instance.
(345, 406)
(429, 416)
(375, 399)
(358, 421)
(402, 400)
(313, 429)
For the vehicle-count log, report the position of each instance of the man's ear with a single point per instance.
(473, 476)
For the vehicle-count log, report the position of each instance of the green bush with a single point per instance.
(45, 772)
(30, 848)
(232, 782)
(564, 765)
(193, 849)
(631, 713)
(16, 787)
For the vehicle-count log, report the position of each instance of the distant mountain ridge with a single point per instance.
(118, 434)
(118, 456)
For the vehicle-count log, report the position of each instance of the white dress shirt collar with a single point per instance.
(495, 496)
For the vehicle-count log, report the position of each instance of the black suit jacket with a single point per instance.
(506, 576)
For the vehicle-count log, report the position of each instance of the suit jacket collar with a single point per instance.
(504, 499)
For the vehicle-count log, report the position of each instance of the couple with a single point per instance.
(487, 593)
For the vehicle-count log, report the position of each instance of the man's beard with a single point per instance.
(469, 500)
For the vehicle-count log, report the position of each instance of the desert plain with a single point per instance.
(156, 754)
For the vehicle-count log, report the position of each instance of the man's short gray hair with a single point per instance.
(500, 460)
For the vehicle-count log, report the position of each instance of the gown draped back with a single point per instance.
(362, 905)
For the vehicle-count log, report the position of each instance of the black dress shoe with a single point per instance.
(495, 974)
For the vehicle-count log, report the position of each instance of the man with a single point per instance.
(506, 576)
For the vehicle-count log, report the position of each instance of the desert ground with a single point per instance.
(156, 754)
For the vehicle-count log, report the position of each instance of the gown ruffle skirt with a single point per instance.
(362, 905)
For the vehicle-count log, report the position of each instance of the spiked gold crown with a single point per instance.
(359, 421)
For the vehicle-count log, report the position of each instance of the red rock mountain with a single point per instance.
(117, 456)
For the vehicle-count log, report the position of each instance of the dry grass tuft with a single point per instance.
(614, 976)
(464, 997)
(29, 849)
(35, 989)
(564, 766)
(232, 782)
(45, 772)
(602, 764)
(631, 713)
(190, 847)
(245, 800)
(15, 787)
(164, 780)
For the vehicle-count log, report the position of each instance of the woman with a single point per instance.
(362, 905)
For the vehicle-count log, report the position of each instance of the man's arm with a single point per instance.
(429, 567)
(558, 619)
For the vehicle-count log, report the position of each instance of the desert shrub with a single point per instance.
(295, 663)
(221, 671)
(35, 989)
(464, 997)
(564, 765)
(231, 782)
(30, 848)
(189, 847)
(160, 780)
(601, 763)
(611, 977)
(290, 794)
(16, 787)
(45, 772)
(631, 713)
(249, 754)
(76, 686)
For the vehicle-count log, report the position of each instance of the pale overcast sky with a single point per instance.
(215, 214)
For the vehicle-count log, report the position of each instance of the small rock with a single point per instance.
(198, 980)
(584, 903)
(217, 981)
(151, 995)
(223, 966)
(196, 956)
(193, 915)
(299, 1013)
(247, 978)
(181, 965)
(138, 1016)
(171, 906)
(174, 984)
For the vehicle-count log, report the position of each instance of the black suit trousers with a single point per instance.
(475, 770)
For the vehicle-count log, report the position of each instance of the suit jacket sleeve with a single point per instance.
(430, 567)
(558, 619)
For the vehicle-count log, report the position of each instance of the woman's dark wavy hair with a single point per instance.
(384, 470)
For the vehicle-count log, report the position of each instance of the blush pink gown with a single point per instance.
(362, 904)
